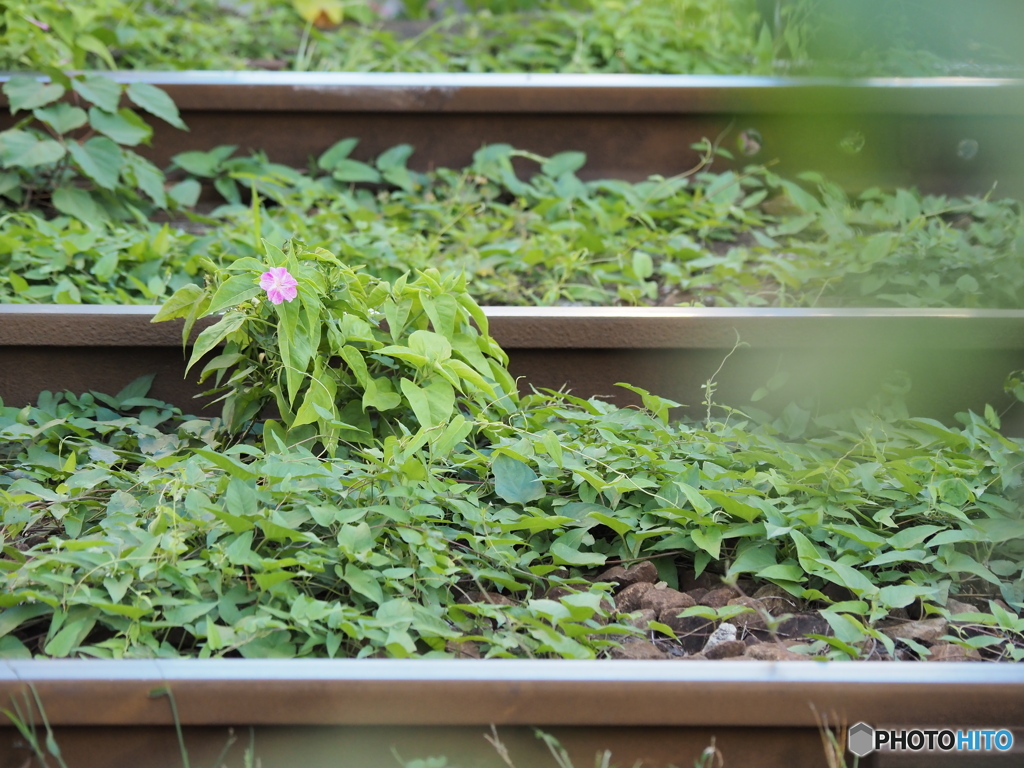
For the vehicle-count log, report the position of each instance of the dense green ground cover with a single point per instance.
(601, 36)
(541, 238)
(404, 476)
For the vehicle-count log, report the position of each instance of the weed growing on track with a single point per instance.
(406, 502)
(708, 239)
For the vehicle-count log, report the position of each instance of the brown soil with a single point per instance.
(777, 626)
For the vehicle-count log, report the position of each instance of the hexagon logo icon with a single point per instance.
(861, 739)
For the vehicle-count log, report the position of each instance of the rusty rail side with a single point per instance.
(943, 135)
(760, 713)
(955, 359)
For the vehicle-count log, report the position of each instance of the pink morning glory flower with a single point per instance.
(279, 285)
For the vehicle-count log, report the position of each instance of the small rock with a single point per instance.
(668, 601)
(719, 598)
(801, 625)
(628, 599)
(463, 649)
(645, 571)
(955, 606)
(693, 657)
(728, 649)
(637, 649)
(707, 580)
(953, 652)
(752, 619)
(775, 599)
(616, 575)
(641, 572)
(923, 631)
(642, 618)
(691, 631)
(725, 632)
(697, 593)
(557, 593)
(773, 652)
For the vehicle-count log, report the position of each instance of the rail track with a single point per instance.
(839, 356)
(361, 713)
(943, 135)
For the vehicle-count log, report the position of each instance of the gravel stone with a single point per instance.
(953, 652)
(800, 625)
(666, 601)
(955, 606)
(719, 598)
(925, 631)
(697, 593)
(628, 599)
(463, 649)
(726, 632)
(728, 649)
(773, 652)
(753, 619)
(642, 618)
(638, 649)
(641, 572)
(776, 599)
(691, 631)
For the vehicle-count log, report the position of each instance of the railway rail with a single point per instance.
(955, 359)
(951, 135)
(364, 712)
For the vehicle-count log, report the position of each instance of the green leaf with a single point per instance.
(363, 583)
(433, 346)
(515, 482)
(78, 203)
(240, 498)
(124, 126)
(354, 171)
(25, 93)
(563, 554)
(138, 388)
(62, 117)
(148, 177)
(900, 595)
(21, 149)
(380, 394)
(396, 157)
(13, 617)
(101, 91)
(732, 505)
(336, 154)
(213, 335)
(70, 636)
(234, 291)
(93, 44)
(179, 304)
(185, 193)
(432, 404)
(156, 102)
(99, 158)
(563, 162)
(709, 539)
(205, 164)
